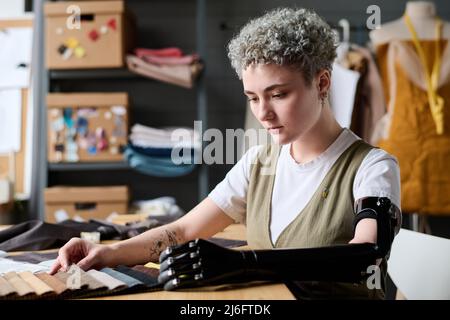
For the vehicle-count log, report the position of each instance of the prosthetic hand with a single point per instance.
(200, 262)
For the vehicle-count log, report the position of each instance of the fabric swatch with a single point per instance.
(40, 288)
(82, 285)
(76, 278)
(47, 264)
(33, 257)
(5, 288)
(7, 265)
(111, 282)
(57, 285)
(151, 272)
(130, 281)
(149, 281)
(71, 280)
(21, 287)
(93, 284)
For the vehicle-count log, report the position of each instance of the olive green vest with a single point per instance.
(327, 219)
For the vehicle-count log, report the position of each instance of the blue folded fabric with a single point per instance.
(160, 152)
(156, 166)
(150, 151)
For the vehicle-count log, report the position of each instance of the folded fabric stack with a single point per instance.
(25, 277)
(75, 283)
(167, 152)
(168, 64)
(159, 208)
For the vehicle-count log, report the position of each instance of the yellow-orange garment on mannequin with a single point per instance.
(408, 130)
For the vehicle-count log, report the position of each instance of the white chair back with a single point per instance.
(419, 265)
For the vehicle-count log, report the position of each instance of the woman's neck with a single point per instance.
(314, 142)
(420, 9)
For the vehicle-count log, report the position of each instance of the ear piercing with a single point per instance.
(323, 98)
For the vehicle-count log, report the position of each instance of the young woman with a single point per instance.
(284, 59)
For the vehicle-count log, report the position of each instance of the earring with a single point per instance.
(323, 98)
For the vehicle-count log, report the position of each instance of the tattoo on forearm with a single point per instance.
(171, 237)
(168, 238)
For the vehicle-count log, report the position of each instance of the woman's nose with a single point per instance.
(264, 111)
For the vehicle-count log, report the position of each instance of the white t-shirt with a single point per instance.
(295, 184)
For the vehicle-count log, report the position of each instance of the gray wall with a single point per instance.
(172, 23)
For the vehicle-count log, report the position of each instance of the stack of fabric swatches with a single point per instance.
(24, 276)
(76, 283)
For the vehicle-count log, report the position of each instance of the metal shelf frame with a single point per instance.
(119, 73)
(88, 166)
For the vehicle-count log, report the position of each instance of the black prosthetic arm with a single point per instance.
(200, 262)
(388, 216)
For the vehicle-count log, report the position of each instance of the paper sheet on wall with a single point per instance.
(342, 93)
(10, 120)
(15, 57)
(15, 8)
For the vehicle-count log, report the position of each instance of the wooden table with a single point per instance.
(254, 292)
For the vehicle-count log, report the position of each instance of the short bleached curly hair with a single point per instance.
(285, 36)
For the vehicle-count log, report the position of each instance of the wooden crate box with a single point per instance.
(99, 38)
(84, 202)
(87, 127)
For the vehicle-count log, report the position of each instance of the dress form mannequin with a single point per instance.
(411, 128)
(423, 17)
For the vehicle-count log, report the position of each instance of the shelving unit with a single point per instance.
(92, 74)
(88, 166)
(45, 81)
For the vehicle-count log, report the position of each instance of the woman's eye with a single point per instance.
(278, 95)
(251, 99)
